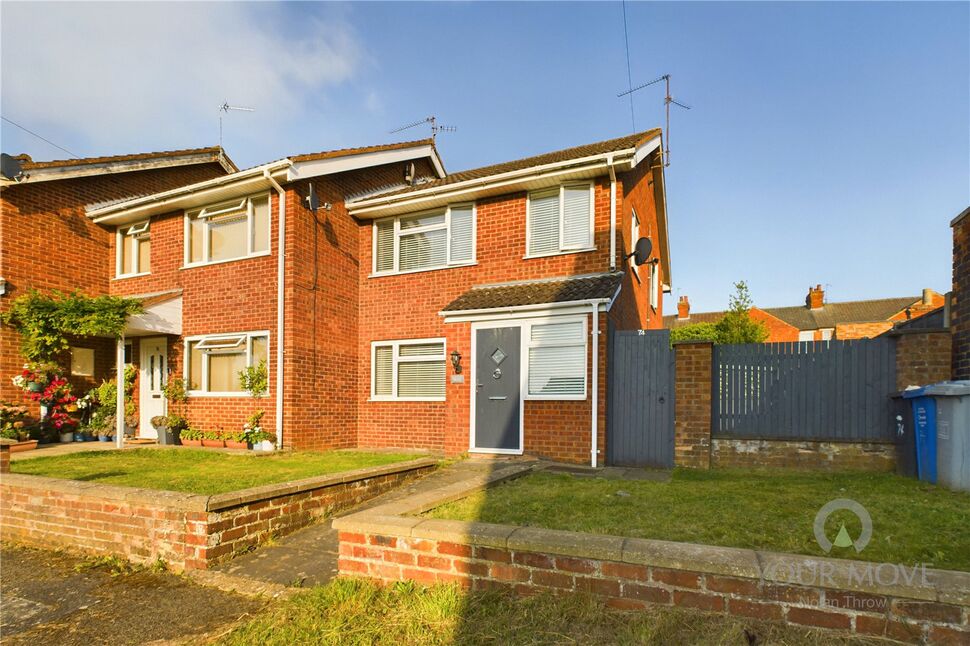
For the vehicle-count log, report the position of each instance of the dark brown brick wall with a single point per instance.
(923, 358)
(960, 305)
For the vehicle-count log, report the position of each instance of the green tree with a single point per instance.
(737, 326)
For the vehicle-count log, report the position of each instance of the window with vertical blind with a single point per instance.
(425, 241)
(634, 236)
(412, 370)
(654, 285)
(228, 231)
(559, 220)
(557, 360)
(134, 244)
(213, 362)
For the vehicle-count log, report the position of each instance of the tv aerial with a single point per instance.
(435, 128)
(225, 107)
(667, 101)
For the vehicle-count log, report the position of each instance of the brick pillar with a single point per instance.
(692, 410)
(5, 454)
(960, 300)
(922, 357)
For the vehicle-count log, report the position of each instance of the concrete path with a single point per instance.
(309, 556)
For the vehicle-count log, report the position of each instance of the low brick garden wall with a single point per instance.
(868, 456)
(187, 531)
(389, 543)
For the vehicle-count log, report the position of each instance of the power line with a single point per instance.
(31, 132)
(629, 75)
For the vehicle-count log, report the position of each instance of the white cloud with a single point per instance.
(131, 76)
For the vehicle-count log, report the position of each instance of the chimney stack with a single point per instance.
(927, 296)
(816, 297)
(683, 309)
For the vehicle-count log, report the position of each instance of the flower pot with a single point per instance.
(213, 444)
(23, 445)
(165, 436)
(265, 445)
(67, 437)
(232, 444)
(35, 387)
(191, 442)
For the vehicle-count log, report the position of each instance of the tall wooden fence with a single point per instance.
(822, 390)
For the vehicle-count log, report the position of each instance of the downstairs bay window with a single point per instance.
(432, 240)
(412, 370)
(228, 231)
(213, 363)
(556, 360)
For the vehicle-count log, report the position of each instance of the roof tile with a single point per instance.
(539, 292)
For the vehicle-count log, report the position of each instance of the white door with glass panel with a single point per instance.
(152, 379)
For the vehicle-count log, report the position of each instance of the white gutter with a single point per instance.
(609, 162)
(280, 277)
(594, 450)
(513, 309)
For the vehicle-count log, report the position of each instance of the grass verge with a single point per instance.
(353, 611)
(198, 470)
(913, 522)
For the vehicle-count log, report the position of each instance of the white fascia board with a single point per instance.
(525, 311)
(643, 150)
(490, 181)
(344, 163)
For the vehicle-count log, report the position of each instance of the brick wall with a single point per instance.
(861, 456)
(846, 331)
(960, 303)
(923, 358)
(187, 531)
(778, 330)
(633, 574)
(692, 405)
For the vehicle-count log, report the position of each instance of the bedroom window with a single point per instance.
(134, 249)
(559, 220)
(227, 231)
(634, 236)
(213, 362)
(557, 360)
(432, 240)
(412, 370)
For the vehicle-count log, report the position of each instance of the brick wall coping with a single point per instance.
(692, 342)
(785, 440)
(910, 332)
(201, 502)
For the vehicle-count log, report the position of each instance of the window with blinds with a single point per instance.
(560, 220)
(425, 241)
(408, 370)
(557, 360)
(227, 231)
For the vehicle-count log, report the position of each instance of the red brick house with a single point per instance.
(412, 308)
(818, 320)
(48, 243)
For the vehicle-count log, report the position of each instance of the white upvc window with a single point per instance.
(134, 250)
(213, 362)
(806, 335)
(425, 241)
(231, 230)
(556, 359)
(634, 236)
(654, 284)
(559, 220)
(408, 370)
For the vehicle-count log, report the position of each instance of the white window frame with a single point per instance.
(634, 236)
(225, 208)
(137, 230)
(528, 344)
(215, 338)
(398, 234)
(395, 344)
(654, 285)
(562, 205)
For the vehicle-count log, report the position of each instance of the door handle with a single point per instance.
(498, 398)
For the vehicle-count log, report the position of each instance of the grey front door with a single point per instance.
(497, 384)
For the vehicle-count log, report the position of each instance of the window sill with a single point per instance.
(193, 265)
(382, 274)
(199, 393)
(558, 253)
(555, 398)
(406, 399)
(139, 274)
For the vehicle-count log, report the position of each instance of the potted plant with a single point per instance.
(13, 426)
(236, 440)
(258, 439)
(255, 379)
(191, 437)
(174, 391)
(212, 439)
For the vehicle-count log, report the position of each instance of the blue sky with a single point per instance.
(828, 142)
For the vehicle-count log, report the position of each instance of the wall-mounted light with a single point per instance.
(456, 361)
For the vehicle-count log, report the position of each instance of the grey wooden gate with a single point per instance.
(821, 390)
(640, 404)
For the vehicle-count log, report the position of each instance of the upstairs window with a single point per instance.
(227, 231)
(559, 220)
(634, 236)
(425, 241)
(134, 249)
(411, 370)
(214, 362)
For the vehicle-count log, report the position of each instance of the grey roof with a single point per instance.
(827, 316)
(933, 321)
(538, 292)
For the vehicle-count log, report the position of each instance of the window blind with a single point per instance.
(557, 359)
(575, 217)
(423, 249)
(544, 223)
(421, 378)
(462, 234)
(383, 370)
(385, 246)
(420, 370)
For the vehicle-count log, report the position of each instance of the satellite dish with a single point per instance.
(641, 252)
(312, 201)
(10, 167)
(409, 173)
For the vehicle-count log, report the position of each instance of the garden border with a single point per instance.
(387, 544)
(187, 531)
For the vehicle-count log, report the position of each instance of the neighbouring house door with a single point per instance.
(151, 379)
(498, 402)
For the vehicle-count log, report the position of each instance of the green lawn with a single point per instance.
(913, 522)
(199, 470)
(352, 611)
